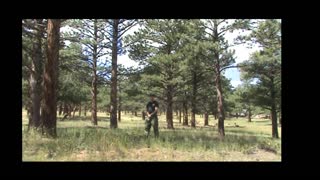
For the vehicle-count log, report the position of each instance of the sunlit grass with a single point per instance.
(79, 140)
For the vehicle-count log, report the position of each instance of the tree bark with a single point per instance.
(169, 108)
(143, 115)
(185, 113)
(135, 113)
(74, 111)
(113, 95)
(221, 114)
(80, 109)
(273, 111)
(180, 116)
(206, 119)
(85, 111)
(36, 78)
(94, 119)
(60, 109)
(119, 110)
(50, 79)
(193, 100)
(69, 110)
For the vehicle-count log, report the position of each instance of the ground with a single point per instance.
(78, 140)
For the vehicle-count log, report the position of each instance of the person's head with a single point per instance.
(152, 96)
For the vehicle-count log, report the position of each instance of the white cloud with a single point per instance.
(126, 61)
(235, 83)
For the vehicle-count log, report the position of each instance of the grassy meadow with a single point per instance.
(78, 140)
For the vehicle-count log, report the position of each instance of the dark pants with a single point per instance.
(152, 121)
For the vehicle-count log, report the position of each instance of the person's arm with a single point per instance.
(156, 108)
(155, 111)
(147, 111)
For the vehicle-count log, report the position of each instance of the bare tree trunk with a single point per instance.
(169, 108)
(94, 119)
(143, 115)
(80, 109)
(221, 115)
(193, 100)
(69, 110)
(206, 119)
(119, 108)
(36, 77)
(113, 95)
(185, 113)
(135, 113)
(180, 116)
(85, 110)
(60, 109)
(74, 111)
(65, 109)
(274, 111)
(50, 79)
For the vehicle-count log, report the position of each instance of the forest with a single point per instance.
(86, 84)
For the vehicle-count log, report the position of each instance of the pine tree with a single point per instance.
(265, 66)
(158, 46)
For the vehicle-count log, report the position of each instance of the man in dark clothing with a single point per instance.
(152, 118)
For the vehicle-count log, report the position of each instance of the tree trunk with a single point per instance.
(74, 111)
(119, 110)
(135, 113)
(119, 114)
(94, 119)
(185, 113)
(206, 119)
(180, 116)
(273, 111)
(80, 109)
(169, 108)
(69, 110)
(249, 115)
(65, 108)
(280, 117)
(221, 114)
(113, 94)
(193, 100)
(143, 115)
(50, 79)
(36, 78)
(60, 109)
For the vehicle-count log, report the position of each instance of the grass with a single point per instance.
(78, 140)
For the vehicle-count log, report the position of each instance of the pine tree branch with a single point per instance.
(227, 67)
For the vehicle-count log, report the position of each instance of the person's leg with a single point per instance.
(147, 126)
(156, 126)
